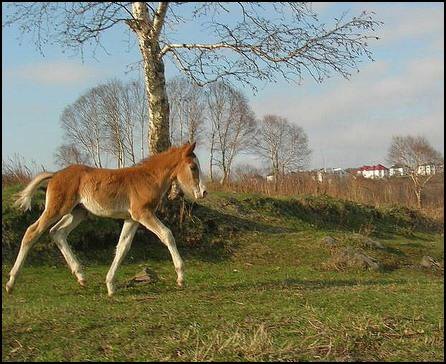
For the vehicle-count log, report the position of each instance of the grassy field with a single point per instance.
(260, 285)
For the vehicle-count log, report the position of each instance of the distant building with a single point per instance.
(426, 169)
(378, 171)
(270, 178)
(327, 173)
(339, 171)
(398, 170)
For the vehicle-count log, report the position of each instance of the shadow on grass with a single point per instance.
(310, 284)
(208, 235)
(328, 213)
(280, 284)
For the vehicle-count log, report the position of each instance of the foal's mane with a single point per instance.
(158, 158)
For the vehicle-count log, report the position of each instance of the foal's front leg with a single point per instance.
(125, 240)
(152, 223)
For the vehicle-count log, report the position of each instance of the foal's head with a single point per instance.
(189, 174)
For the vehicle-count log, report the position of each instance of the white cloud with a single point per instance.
(54, 73)
(406, 21)
(320, 6)
(352, 122)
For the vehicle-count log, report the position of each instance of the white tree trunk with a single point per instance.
(154, 76)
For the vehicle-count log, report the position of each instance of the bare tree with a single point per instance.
(111, 112)
(134, 118)
(282, 144)
(261, 42)
(104, 121)
(187, 110)
(245, 171)
(136, 97)
(414, 152)
(83, 126)
(67, 154)
(128, 130)
(232, 126)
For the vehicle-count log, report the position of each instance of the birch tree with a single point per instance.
(413, 152)
(113, 115)
(136, 94)
(134, 114)
(187, 110)
(259, 42)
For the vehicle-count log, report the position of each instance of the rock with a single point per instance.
(329, 240)
(429, 262)
(369, 243)
(146, 276)
(350, 257)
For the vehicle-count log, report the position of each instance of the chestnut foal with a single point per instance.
(132, 194)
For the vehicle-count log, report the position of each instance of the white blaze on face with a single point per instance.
(199, 192)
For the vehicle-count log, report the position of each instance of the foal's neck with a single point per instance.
(163, 166)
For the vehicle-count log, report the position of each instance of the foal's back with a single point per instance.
(103, 192)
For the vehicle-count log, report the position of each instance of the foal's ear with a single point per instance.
(189, 149)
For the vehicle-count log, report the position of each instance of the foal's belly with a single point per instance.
(116, 210)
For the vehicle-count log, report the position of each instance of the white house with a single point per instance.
(426, 169)
(270, 178)
(398, 170)
(378, 171)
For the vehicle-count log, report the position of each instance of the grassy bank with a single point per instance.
(260, 285)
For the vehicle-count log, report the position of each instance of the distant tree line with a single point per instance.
(107, 123)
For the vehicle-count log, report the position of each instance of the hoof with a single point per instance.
(180, 284)
(82, 282)
(110, 289)
(9, 288)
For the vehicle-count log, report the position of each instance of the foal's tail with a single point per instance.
(23, 201)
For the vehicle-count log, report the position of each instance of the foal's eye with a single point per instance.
(194, 168)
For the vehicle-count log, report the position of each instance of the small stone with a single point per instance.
(429, 262)
(147, 275)
(351, 257)
(329, 240)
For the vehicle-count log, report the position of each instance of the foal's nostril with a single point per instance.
(204, 194)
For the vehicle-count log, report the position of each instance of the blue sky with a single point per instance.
(349, 122)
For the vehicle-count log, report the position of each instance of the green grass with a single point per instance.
(258, 287)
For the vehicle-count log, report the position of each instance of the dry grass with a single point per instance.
(393, 191)
(253, 345)
(386, 192)
(16, 171)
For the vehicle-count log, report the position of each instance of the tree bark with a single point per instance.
(418, 194)
(154, 75)
(158, 106)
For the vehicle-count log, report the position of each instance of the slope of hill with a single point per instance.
(266, 279)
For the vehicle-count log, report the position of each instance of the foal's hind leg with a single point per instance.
(33, 233)
(59, 233)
